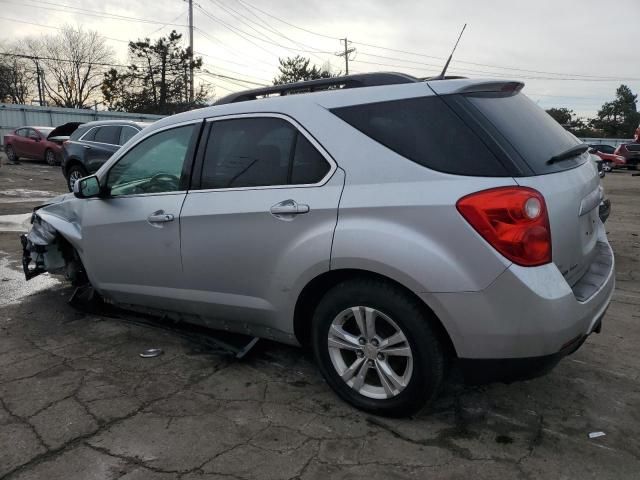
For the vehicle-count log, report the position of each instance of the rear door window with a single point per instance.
(126, 134)
(91, 134)
(259, 152)
(108, 134)
(427, 131)
(534, 134)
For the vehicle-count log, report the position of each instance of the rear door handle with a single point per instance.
(160, 217)
(289, 207)
(88, 147)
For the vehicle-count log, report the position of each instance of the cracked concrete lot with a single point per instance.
(78, 402)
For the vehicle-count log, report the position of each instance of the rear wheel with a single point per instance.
(75, 172)
(376, 348)
(50, 157)
(11, 154)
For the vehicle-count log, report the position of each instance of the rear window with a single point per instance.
(534, 134)
(426, 131)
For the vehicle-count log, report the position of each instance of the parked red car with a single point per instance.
(607, 154)
(631, 154)
(40, 143)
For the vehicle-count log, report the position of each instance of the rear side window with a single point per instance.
(534, 134)
(90, 135)
(108, 134)
(126, 134)
(426, 131)
(259, 152)
(604, 148)
(634, 147)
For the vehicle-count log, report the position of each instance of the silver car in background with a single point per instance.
(388, 223)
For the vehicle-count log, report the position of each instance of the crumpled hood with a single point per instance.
(58, 199)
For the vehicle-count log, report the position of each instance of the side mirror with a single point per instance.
(592, 150)
(87, 187)
(35, 137)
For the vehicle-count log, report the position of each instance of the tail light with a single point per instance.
(513, 220)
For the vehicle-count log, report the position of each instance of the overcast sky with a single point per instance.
(570, 53)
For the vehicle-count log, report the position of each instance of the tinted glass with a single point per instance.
(22, 132)
(248, 153)
(426, 131)
(529, 129)
(91, 134)
(153, 165)
(635, 147)
(108, 134)
(603, 148)
(125, 134)
(309, 166)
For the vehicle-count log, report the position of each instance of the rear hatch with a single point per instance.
(63, 132)
(570, 186)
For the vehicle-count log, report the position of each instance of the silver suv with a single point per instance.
(390, 224)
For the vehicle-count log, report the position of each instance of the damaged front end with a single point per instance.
(44, 249)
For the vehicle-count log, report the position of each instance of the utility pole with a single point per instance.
(191, 51)
(345, 54)
(40, 86)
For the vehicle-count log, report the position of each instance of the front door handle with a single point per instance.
(160, 217)
(88, 147)
(289, 207)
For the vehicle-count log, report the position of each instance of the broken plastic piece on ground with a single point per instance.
(596, 434)
(151, 353)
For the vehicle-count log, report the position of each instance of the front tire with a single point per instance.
(607, 166)
(75, 172)
(50, 157)
(11, 154)
(375, 346)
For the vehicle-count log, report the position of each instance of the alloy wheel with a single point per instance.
(370, 352)
(11, 154)
(50, 158)
(73, 177)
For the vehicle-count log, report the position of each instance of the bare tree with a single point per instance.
(17, 76)
(73, 64)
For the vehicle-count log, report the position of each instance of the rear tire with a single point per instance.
(50, 157)
(358, 369)
(74, 173)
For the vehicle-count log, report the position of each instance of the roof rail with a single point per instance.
(348, 81)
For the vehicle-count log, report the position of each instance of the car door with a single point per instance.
(131, 238)
(258, 223)
(31, 143)
(104, 143)
(19, 141)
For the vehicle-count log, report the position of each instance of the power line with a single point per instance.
(243, 32)
(248, 22)
(243, 2)
(94, 13)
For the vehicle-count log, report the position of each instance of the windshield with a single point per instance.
(534, 134)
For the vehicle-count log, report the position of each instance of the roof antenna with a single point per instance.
(446, 65)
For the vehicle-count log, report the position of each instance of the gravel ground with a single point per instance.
(78, 402)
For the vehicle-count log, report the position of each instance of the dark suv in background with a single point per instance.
(92, 144)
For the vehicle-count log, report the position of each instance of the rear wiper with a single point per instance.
(569, 153)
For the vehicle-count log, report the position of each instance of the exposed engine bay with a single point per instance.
(44, 249)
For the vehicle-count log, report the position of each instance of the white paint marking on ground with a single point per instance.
(15, 223)
(14, 288)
